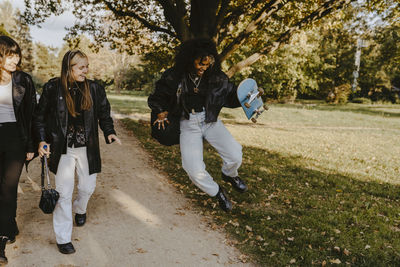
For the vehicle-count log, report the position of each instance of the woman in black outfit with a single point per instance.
(195, 90)
(17, 103)
(70, 109)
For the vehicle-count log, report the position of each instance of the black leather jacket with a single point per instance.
(50, 123)
(24, 102)
(221, 93)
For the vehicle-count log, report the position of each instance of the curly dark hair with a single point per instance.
(194, 49)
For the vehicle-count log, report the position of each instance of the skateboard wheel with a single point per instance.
(265, 107)
(247, 105)
(253, 120)
(260, 91)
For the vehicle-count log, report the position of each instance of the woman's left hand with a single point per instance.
(29, 156)
(112, 137)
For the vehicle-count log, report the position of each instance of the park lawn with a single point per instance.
(323, 184)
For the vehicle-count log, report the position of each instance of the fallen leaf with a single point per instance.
(346, 252)
(140, 250)
(337, 231)
(337, 249)
(367, 247)
(290, 238)
(243, 258)
(292, 261)
(336, 261)
(248, 228)
(259, 238)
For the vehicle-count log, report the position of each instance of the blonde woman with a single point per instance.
(66, 121)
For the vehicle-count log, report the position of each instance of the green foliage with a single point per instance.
(362, 100)
(46, 64)
(3, 31)
(340, 94)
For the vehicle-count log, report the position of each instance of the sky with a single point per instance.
(52, 30)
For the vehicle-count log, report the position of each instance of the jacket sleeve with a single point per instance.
(39, 118)
(104, 112)
(30, 105)
(164, 91)
(231, 100)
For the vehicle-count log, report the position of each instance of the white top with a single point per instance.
(6, 104)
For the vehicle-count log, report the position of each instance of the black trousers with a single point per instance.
(12, 158)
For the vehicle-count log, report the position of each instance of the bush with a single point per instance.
(340, 94)
(362, 100)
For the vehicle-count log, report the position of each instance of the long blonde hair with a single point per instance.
(67, 81)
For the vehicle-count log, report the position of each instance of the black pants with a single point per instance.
(12, 158)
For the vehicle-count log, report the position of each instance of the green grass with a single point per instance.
(323, 184)
(127, 104)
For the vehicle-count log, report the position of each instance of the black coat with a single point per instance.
(24, 102)
(50, 123)
(220, 93)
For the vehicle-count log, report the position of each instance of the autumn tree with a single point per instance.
(262, 25)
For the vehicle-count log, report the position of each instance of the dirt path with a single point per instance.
(135, 218)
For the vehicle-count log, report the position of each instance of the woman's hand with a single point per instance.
(112, 137)
(43, 151)
(29, 156)
(161, 118)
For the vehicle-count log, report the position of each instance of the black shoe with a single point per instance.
(11, 239)
(223, 200)
(80, 219)
(3, 242)
(67, 248)
(236, 182)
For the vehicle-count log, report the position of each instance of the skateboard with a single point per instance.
(249, 95)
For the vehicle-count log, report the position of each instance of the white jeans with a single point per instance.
(62, 215)
(191, 142)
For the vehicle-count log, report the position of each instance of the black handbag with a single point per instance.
(168, 136)
(49, 197)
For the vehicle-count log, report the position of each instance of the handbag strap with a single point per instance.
(42, 173)
(46, 168)
(45, 171)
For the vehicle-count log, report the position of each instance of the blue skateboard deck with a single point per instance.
(249, 96)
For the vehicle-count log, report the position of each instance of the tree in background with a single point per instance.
(380, 59)
(14, 24)
(261, 25)
(3, 31)
(46, 64)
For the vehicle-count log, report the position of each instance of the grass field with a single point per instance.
(324, 183)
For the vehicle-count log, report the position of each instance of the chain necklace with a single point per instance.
(196, 86)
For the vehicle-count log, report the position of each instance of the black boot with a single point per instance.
(80, 219)
(11, 238)
(66, 248)
(236, 182)
(3, 242)
(223, 200)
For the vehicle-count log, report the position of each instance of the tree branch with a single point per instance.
(132, 14)
(327, 8)
(272, 7)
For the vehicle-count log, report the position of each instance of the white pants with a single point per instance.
(76, 158)
(191, 142)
